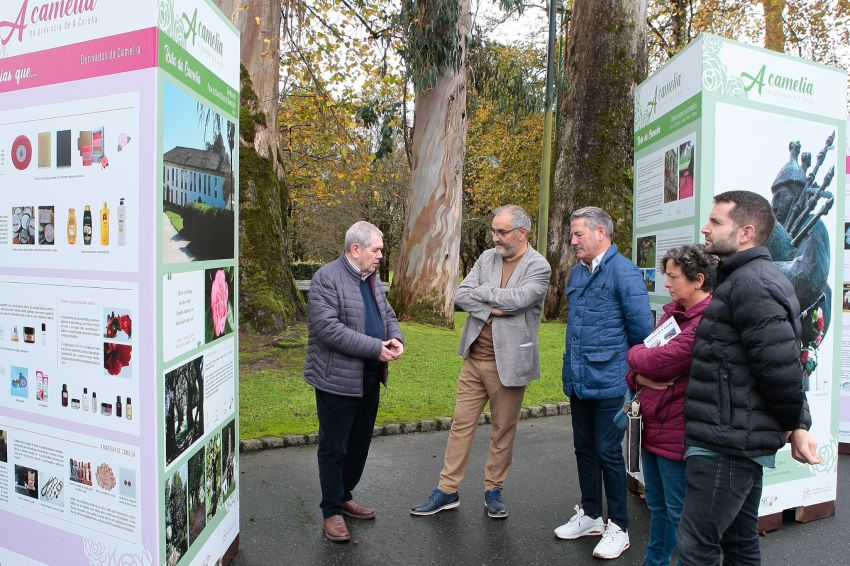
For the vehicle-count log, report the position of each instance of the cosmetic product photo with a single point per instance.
(104, 225)
(122, 223)
(87, 225)
(72, 227)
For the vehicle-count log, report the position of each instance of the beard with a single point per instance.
(722, 248)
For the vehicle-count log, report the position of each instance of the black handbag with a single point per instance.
(634, 431)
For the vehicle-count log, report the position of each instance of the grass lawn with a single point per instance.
(275, 399)
(176, 220)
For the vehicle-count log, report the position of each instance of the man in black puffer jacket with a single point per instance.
(745, 395)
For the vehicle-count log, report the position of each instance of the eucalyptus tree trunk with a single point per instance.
(426, 273)
(774, 35)
(268, 298)
(605, 59)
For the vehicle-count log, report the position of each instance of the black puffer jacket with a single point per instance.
(746, 383)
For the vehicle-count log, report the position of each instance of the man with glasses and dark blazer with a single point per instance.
(503, 295)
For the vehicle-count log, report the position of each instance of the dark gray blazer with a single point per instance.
(515, 338)
(337, 342)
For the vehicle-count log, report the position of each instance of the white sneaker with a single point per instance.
(614, 542)
(580, 525)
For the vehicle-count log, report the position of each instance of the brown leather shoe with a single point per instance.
(336, 530)
(357, 511)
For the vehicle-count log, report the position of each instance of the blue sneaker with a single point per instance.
(496, 508)
(437, 501)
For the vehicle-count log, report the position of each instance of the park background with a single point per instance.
(422, 117)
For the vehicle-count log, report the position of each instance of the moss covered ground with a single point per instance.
(275, 400)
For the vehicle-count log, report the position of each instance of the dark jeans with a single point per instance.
(599, 455)
(345, 433)
(721, 511)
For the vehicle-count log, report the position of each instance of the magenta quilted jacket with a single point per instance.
(664, 411)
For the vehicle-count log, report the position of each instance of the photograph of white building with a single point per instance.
(193, 175)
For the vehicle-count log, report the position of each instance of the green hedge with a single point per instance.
(305, 269)
(210, 230)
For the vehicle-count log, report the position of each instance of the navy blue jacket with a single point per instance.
(608, 314)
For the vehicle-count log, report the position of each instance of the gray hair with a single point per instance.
(361, 233)
(519, 217)
(595, 217)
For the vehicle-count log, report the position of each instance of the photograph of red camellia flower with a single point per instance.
(118, 324)
(116, 359)
(219, 319)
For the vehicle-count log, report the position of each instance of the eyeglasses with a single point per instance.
(501, 233)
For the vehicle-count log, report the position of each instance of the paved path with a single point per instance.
(281, 520)
(175, 248)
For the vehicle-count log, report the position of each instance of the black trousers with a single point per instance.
(345, 433)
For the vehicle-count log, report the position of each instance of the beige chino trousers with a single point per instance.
(478, 382)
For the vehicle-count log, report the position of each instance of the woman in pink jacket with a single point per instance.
(661, 376)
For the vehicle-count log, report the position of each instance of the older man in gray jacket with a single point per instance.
(503, 295)
(353, 333)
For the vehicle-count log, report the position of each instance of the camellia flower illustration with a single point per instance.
(218, 302)
(114, 323)
(126, 324)
(111, 325)
(116, 357)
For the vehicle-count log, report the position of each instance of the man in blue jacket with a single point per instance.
(608, 314)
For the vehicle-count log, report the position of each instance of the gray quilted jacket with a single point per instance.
(337, 342)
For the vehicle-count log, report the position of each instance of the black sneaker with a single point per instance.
(437, 501)
(496, 508)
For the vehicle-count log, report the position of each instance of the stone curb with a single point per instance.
(390, 429)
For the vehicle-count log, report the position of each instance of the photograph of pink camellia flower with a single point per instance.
(116, 359)
(118, 324)
(220, 317)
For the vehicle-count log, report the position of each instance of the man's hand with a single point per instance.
(395, 346)
(387, 355)
(804, 447)
(497, 312)
(643, 381)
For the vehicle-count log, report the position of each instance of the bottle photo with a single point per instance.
(85, 398)
(122, 223)
(72, 226)
(93, 402)
(64, 394)
(118, 406)
(104, 225)
(128, 409)
(87, 225)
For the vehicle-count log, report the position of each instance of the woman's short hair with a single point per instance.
(693, 260)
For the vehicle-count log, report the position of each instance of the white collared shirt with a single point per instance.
(357, 269)
(596, 261)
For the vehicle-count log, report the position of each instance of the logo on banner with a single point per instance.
(795, 86)
(42, 13)
(662, 94)
(195, 28)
